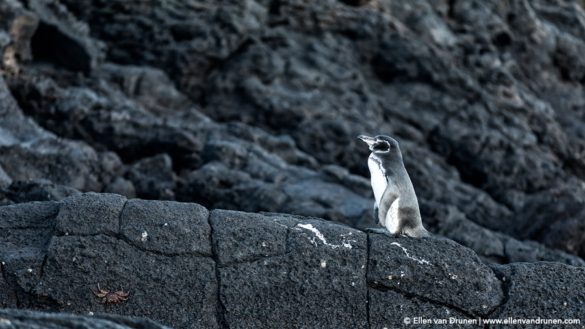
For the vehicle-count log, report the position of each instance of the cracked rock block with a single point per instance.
(29, 319)
(240, 237)
(390, 309)
(439, 271)
(26, 226)
(90, 214)
(99, 240)
(22, 270)
(25, 231)
(246, 270)
(284, 271)
(545, 290)
(167, 227)
(179, 290)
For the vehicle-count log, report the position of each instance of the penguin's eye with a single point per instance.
(384, 147)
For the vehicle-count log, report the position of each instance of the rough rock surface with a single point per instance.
(314, 271)
(187, 267)
(520, 288)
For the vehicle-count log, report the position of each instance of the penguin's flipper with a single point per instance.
(390, 195)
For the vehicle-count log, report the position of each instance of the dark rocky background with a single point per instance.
(254, 105)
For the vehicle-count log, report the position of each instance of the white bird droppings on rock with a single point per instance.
(29, 270)
(345, 243)
(144, 236)
(323, 264)
(421, 261)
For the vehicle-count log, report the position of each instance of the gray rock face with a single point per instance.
(187, 267)
(326, 72)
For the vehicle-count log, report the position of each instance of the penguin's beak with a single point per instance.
(367, 139)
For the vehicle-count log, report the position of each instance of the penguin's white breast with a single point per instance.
(378, 179)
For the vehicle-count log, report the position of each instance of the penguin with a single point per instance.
(396, 205)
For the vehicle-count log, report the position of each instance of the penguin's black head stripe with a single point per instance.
(381, 146)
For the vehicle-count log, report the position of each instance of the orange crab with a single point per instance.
(109, 297)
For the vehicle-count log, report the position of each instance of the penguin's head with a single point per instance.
(382, 147)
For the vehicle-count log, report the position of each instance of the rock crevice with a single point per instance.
(220, 307)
